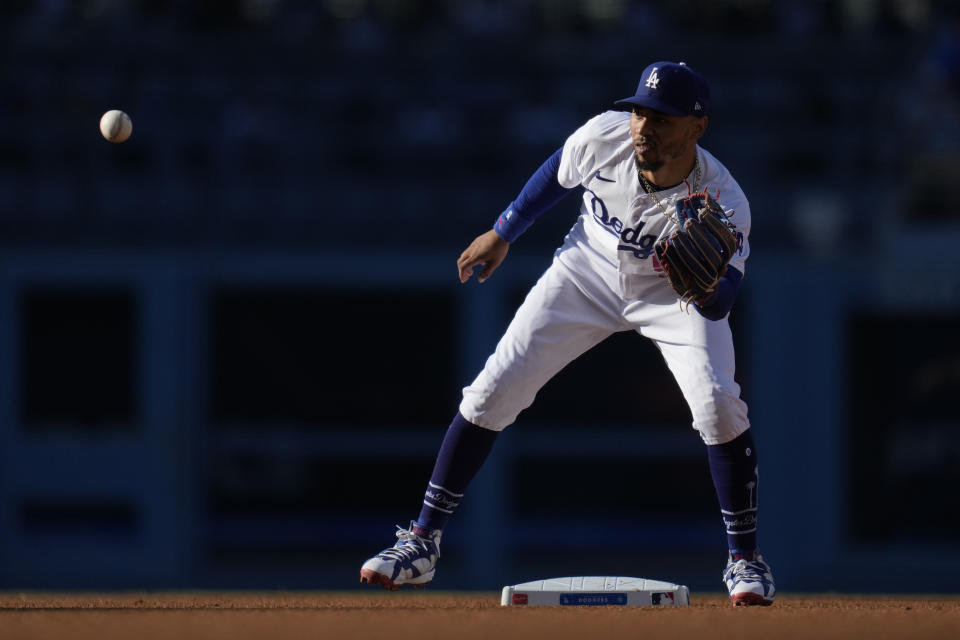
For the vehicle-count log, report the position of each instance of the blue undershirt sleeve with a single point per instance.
(720, 303)
(542, 191)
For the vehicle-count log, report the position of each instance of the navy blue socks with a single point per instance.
(465, 448)
(733, 466)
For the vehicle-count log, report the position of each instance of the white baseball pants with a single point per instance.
(565, 315)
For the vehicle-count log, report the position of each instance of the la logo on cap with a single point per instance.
(672, 88)
(653, 79)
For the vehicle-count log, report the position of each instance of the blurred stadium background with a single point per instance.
(230, 346)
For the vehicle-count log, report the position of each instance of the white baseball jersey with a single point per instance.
(604, 279)
(619, 221)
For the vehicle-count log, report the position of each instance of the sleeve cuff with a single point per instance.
(510, 225)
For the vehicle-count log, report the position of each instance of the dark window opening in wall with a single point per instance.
(904, 437)
(92, 516)
(630, 487)
(330, 358)
(77, 359)
(621, 382)
(268, 484)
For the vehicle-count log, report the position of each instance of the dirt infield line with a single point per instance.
(463, 616)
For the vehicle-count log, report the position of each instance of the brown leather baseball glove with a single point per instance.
(695, 257)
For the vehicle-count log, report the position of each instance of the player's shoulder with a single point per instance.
(601, 140)
(718, 181)
(609, 126)
(717, 176)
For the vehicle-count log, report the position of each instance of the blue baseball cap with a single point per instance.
(672, 88)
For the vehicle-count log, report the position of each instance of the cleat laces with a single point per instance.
(744, 570)
(409, 545)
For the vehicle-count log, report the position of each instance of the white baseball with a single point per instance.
(116, 126)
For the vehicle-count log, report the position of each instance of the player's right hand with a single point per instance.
(488, 250)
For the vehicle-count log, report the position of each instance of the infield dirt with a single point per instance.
(463, 616)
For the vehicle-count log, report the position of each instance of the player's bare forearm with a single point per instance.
(487, 250)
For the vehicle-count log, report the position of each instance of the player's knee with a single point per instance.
(482, 412)
(495, 404)
(487, 420)
(722, 418)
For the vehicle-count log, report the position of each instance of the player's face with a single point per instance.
(659, 138)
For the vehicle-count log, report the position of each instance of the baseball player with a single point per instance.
(633, 166)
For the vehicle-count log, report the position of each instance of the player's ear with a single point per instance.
(702, 126)
(699, 127)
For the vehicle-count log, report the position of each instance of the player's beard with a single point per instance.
(656, 163)
(648, 165)
(651, 160)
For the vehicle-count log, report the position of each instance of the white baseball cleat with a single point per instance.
(412, 560)
(749, 581)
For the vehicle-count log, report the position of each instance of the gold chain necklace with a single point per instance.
(649, 188)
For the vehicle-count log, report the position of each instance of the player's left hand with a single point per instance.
(488, 250)
(695, 257)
